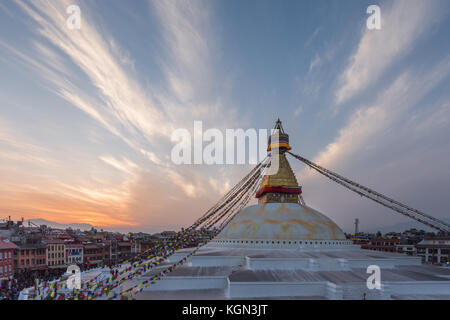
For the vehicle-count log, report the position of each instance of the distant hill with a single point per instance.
(400, 227)
(56, 225)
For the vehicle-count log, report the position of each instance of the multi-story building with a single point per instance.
(136, 246)
(6, 259)
(93, 254)
(408, 249)
(56, 253)
(123, 250)
(166, 235)
(113, 251)
(381, 244)
(142, 245)
(74, 253)
(106, 251)
(434, 250)
(30, 256)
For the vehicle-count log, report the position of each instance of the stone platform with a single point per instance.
(252, 273)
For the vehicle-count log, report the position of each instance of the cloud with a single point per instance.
(89, 69)
(62, 208)
(124, 165)
(16, 148)
(389, 108)
(312, 37)
(121, 104)
(185, 32)
(316, 62)
(298, 111)
(37, 182)
(403, 23)
(388, 144)
(194, 88)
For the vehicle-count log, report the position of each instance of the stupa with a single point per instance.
(282, 249)
(281, 217)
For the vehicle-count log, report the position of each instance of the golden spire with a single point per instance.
(282, 186)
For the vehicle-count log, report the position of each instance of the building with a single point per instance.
(382, 244)
(56, 253)
(74, 254)
(124, 250)
(113, 251)
(143, 245)
(30, 256)
(93, 254)
(165, 235)
(136, 246)
(281, 248)
(434, 250)
(6, 259)
(408, 249)
(360, 240)
(168, 234)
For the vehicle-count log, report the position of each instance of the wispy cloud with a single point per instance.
(36, 182)
(403, 23)
(106, 87)
(312, 37)
(125, 165)
(316, 62)
(185, 25)
(298, 111)
(391, 106)
(121, 105)
(388, 145)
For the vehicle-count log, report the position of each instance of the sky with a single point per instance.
(86, 116)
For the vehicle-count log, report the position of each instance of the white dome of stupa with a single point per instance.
(281, 221)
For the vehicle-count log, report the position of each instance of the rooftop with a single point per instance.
(6, 244)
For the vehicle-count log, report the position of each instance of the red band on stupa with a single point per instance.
(279, 189)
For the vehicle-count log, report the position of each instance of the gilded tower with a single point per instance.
(281, 187)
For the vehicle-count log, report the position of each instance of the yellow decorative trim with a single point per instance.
(279, 145)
